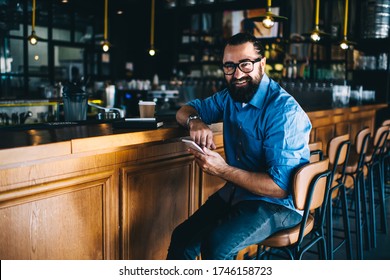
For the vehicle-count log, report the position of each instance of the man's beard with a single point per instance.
(243, 94)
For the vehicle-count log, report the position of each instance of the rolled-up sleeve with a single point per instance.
(211, 108)
(286, 146)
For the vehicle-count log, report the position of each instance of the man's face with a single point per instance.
(242, 86)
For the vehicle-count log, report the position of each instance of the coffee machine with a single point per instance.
(128, 99)
(166, 101)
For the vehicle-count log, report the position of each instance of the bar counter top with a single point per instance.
(57, 139)
(48, 133)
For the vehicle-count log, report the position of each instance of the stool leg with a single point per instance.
(371, 204)
(381, 191)
(329, 228)
(358, 219)
(347, 231)
(364, 213)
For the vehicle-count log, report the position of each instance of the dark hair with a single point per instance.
(242, 38)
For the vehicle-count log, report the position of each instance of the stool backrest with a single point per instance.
(305, 183)
(387, 123)
(380, 138)
(337, 152)
(362, 140)
(316, 153)
(381, 135)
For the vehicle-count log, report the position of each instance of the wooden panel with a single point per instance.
(323, 134)
(342, 128)
(155, 199)
(210, 184)
(330, 123)
(17, 155)
(125, 139)
(48, 170)
(68, 219)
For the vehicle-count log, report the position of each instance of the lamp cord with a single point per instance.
(152, 25)
(346, 19)
(33, 15)
(105, 18)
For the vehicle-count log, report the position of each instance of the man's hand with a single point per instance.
(202, 134)
(210, 162)
(199, 131)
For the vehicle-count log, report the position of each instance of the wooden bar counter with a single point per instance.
(93, 192)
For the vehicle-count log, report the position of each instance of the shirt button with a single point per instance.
(238, 158)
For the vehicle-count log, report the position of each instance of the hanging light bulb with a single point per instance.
(33, 38)
(344, 44)
(315, 36)
(152, 50)
(268, 19)
(268, 22)
(106, 44)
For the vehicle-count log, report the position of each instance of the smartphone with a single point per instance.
(191, 144)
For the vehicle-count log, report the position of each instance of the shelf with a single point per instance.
(27, 103)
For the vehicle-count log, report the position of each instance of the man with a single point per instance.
(266, 137)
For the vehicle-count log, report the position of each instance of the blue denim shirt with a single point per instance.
(269, 134)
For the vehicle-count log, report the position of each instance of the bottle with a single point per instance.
(155, 82)
(294, 69)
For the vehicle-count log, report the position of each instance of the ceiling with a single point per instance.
(11, 11)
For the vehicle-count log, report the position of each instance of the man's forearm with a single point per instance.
(183, 113)
(257, 183)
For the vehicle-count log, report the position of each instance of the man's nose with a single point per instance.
(238, 73)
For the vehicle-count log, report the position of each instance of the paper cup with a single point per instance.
(146, 109)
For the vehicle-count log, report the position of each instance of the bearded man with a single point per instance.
(266, 136)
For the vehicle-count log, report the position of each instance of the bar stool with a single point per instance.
(373, 161)
(310, 192)
(316, 153)
(355, 182)
(338, 152)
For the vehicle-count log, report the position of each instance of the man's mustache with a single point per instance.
(243, 79)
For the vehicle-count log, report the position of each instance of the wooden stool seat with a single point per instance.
(288, 237)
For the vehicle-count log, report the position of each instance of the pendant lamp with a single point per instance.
(316, 35)
(33, 38)
(106, 44)
(269, 19)
(152, 50)
(345, 44)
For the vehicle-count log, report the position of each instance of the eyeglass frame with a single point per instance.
(238, 65)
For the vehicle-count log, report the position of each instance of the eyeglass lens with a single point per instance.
(245, 66)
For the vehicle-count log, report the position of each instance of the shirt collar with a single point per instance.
(258, 99)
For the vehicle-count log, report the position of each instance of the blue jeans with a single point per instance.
(219, 231)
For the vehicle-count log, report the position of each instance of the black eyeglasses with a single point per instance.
(245, 66)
